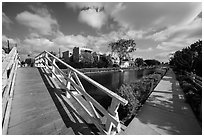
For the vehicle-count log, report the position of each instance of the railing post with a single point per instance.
(68, 84)
(53, 68)
(112, 109)
(46, 61)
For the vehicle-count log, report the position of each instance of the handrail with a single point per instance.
(112, 124)
(104, 89)
(9, 69)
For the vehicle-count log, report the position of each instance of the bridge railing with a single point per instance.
(9, 69)
(112, 124)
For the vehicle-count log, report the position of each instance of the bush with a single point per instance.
(136, 93)
(192, 94)
(132, 94)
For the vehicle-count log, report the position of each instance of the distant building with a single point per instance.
(77, 51)
(115, 58)
(66, 56)
(125, 64)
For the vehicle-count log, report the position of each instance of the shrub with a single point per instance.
(136, 93)
(193, 94)
(132, 95)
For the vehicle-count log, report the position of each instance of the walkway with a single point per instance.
(40, 107)
(165, 112)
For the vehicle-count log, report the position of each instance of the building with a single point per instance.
(77, 51)
(115, 58)
(66, 56)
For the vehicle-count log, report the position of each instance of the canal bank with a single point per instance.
(113, 69)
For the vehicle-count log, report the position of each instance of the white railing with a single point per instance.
(9, 69)
(112, 124)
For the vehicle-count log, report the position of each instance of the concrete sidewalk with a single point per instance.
(165, 112)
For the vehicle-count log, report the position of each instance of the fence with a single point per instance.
(9, 69)
(112, 124)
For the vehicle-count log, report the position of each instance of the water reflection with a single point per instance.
(112, 81)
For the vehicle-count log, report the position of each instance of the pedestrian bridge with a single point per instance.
(45, 100)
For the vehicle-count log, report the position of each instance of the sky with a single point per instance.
(158, 29)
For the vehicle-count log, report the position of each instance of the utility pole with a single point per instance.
(8, 46)
(59, 53)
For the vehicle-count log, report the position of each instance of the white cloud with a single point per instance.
(91, 13)
(93, 18)
(171, 46)
(81, 5)
(178, 37)
(70, 41)
(34, 46)
(151, 15)
(143, 50)
(164, 56)
(44, 25)
(193, 29)
(6, 21)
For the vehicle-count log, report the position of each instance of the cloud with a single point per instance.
(39, 22)
(93, 18)
(153, 15)
(143, 50)
(171, 46)
(164, 56)
(70, 41)
(193, 29)
(40, 9)
(81, 5)
(6, 21)
(91, 13)
(178, 37)
(34, 46)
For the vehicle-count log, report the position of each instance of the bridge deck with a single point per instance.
(39, 107)
(165, 112)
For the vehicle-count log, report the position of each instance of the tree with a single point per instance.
(188, 59)
(87, 59)
(96, 59)
(139, 62)
(123, 48)
(105, 61)
(151, 62)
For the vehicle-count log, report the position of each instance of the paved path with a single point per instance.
(39, 107)
(165, 112)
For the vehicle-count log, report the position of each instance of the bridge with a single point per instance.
(45, 100)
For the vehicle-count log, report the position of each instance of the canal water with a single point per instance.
(112, 81)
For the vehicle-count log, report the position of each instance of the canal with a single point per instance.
(112, 81)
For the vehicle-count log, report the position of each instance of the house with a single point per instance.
(125, 64)
(66, 56)
(77, 51)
